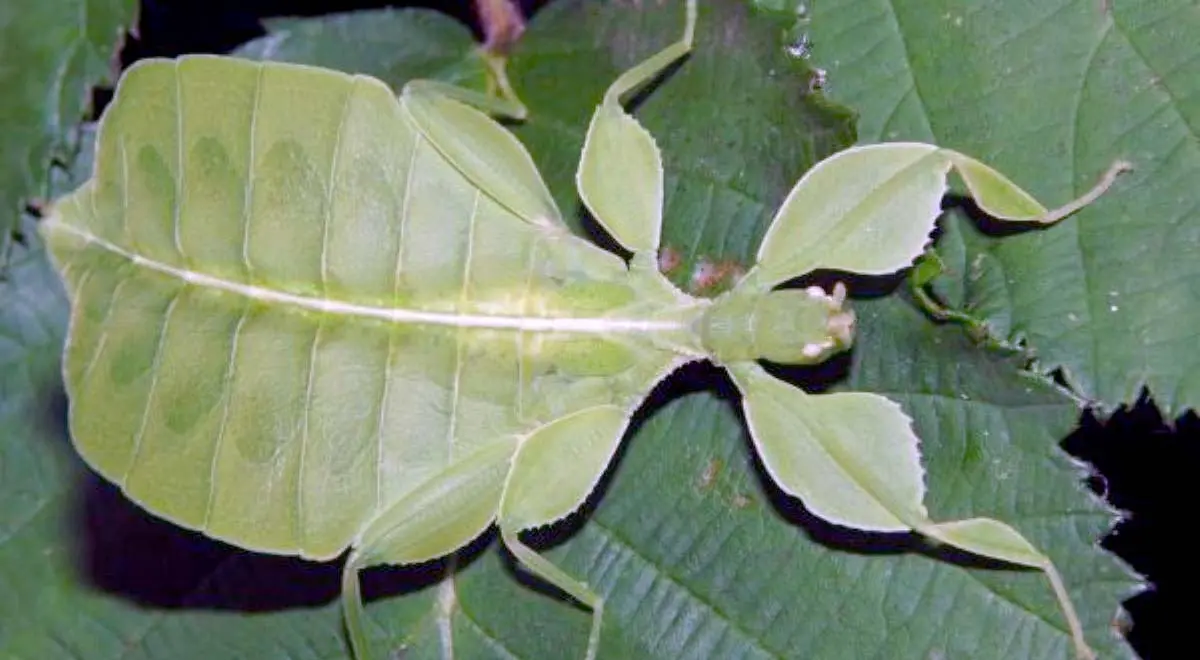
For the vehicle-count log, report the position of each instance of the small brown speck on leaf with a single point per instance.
(710, 274)
(668, 259)
(709, 475)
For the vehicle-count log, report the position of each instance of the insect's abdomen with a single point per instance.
(252, 271)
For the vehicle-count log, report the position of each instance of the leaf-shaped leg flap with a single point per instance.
(554, 471)
(870, 209)
(433, 520)
(992, 538)
(851, 456)
(853, 459)
(489, 156)
(620, 176)
(1004, 200)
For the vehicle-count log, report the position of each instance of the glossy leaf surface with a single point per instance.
(1053, 92)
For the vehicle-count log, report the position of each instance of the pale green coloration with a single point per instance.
(929, 266)
(308, 316)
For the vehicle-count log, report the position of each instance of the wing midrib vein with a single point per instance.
(580, 325)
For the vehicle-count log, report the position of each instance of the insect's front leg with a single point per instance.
(555, 469)
(874, 206)
(854, 460)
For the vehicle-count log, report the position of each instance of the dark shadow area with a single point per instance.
(596, 233)
(53, 422)
(169, 28)
(389, 581)
(859, 285)
(813, 378)
(986, 223)
(822, 531)
(1147, 469)
(126, 551)
(639, 95)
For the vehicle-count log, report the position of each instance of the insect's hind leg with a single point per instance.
(352, 608)
(433, 520)
(555, 469)
(546, 570)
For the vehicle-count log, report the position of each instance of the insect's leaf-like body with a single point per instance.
(293, 309)
(309, 315)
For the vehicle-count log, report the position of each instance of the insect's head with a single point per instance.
(788, 326)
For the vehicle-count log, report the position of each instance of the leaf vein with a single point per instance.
(381, 421)
(103, 340)
(907, 59)
(617, 539)
(460, 343)
(1083, 270)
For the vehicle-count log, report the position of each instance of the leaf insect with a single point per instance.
(309, 316)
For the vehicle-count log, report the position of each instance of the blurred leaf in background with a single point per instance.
(52, 52)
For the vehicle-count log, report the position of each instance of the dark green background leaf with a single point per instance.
(1052, 93)
(697, 555)
(51, 54)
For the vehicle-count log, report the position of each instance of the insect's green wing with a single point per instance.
(238, 264)
(193, 383)
(854, 460)
(298, 324)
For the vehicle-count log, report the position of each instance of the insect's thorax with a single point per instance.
(792, 326)
(565, 326)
